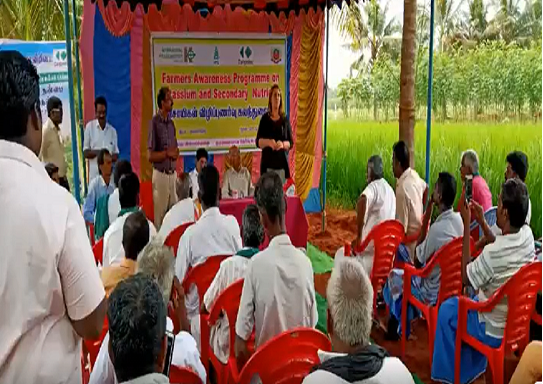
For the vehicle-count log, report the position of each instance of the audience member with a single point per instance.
(137, 325)
(376, 204)
(201, 162)
(163, 154)
(278, 291)
(231, 270)
(135, 238)
(50, 291)
(52, 146)
(480, 192)
(99, 187)
(499, 260)
(447, 226)
(355, 359)
(237, 179)
(122, 167)
(213, 234)
(411, 193)
(99, 134)
(528, 370)
(184, 211)
(129, 195)
(157, 261)
(52, 171)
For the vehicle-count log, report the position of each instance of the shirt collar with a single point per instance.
(99, 127)
(325, 355)
(283, 239)
(404, 175)
(49, 124)
(213, 211)
(444, 215)
(20, 153)
(164, 120)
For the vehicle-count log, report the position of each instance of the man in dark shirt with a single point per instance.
(163, 154)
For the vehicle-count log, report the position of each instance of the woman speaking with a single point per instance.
(274, 137)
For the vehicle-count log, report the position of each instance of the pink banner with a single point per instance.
(136, 78)
(86, 44)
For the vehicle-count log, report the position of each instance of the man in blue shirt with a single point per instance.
(100, 186)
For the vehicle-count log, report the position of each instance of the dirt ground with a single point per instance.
(341, 228)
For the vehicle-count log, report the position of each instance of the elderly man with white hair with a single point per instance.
(480, 192)
(376, 204)
(184, 211)
(355, 360)
(157, 260)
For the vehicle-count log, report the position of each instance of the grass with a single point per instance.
(350, 144)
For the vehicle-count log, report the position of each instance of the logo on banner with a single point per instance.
(245, 54)
(216, 56)
(276, 55)
(59, 55)
(189, 55)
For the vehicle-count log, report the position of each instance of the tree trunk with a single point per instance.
(407, 77)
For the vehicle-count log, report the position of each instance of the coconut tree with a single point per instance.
(407, 76)
(33, 19)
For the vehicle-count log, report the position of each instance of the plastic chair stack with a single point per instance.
(449, 259)
(521, 292)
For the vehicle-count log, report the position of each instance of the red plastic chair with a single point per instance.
(98, 251)
(183, 375)
(521, 291)
(172, 240)
(146, 200)
(449, 259)
(93, 346)
(285, 359)
(228, 303)
(90, 228)
(386, 238)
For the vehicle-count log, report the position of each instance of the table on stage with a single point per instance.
(296, 221)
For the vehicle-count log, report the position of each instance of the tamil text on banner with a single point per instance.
(50, 60)
(219, 84)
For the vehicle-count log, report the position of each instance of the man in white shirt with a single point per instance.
(99, 134)
(231, 270)
(50, 290)
(129, 192)
(355, 359)
(278, 291)
(236, 182)
(214, 234)
(158, 261)
(376, 204)
(184, 211)
(123, 167)
(201, 161)
(500, 260)
(411, 193)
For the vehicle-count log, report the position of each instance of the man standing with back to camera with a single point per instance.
(163, 154)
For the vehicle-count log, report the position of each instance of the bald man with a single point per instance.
(237, 179)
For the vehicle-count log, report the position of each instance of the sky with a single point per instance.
(341, 58)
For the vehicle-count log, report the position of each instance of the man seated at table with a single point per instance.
(376, 204)
(184, 211)
(201, 162)
(135, 238)
(214, 234)
(100, 186)
(447, 226)
(411, 193)
(278, 291)
(355, 359)
(231, 270)
(480, 192)
(487, 273)
(157, 261)
(237, 179)
(122, 167)
(129, 196)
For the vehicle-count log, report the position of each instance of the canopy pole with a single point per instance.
(429, 105)
(79, 95)
(324, 154)
(75, 154)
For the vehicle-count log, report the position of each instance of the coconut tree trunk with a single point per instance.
(407, 77)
